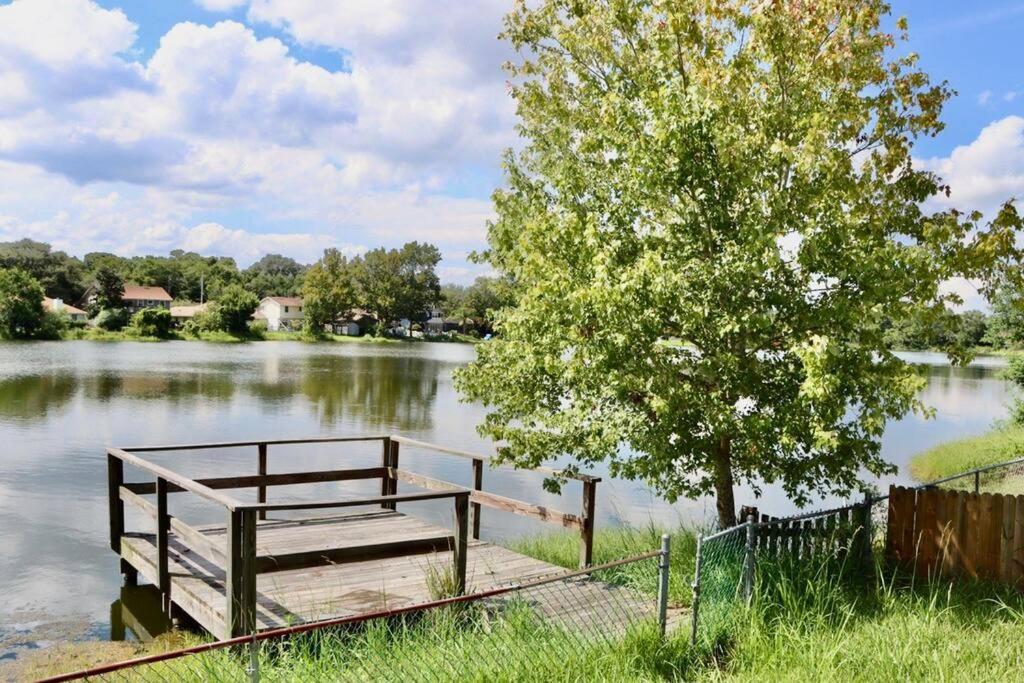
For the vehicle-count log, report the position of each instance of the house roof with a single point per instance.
(141, 293)
(71, 310)
(284, 300)
(187, 311)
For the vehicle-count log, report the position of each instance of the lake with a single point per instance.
(61, 403)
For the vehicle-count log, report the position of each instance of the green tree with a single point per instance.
(714, 214)
(61, 276)
(152, 322)
(1006, 324)
(274, 275)
(235, 306)
(327, 291)
(21, 304)
(109, 288)
(398, 283)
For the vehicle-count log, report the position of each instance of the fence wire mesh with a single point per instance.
(571, 622)
(719, 588)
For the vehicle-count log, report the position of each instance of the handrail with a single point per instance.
(286, 479)
(175, 478)
(239, 444)
(479, 456)
(354, 502)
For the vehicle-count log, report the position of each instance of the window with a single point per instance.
(285, 309)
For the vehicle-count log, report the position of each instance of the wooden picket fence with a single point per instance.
(942, 532)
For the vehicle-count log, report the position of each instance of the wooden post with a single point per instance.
(261, 492)
(240, 588)
(389, 459)
(461, 541)
(115, 478)
(163, 525)
(587, 519)
(478, 485)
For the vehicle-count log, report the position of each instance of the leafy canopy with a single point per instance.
(327, 291)
(713, 218)
(21, 304)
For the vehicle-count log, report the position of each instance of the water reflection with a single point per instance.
(62, 403)
(137, 614)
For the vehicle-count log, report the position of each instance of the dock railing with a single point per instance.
(239, 557)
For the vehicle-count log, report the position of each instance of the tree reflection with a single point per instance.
(32, 397)
(172, 387)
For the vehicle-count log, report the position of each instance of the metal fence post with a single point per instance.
(663, 568)
(748, 564)
(867, 556)
(695, 586)
(254, 661)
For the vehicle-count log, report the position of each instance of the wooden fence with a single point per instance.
(942, 532)
(832, 533)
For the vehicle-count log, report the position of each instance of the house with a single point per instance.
(181, 314)
(355, 324)
(138, 297)
(58, 306)
(439, 325)
(280, 312)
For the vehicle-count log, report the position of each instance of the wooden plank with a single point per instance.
(162, 530)
(389, 463)
(993, 529)
(285, 479)
(240, 444)
(945, 530)
(355, 502)
(425, 482)
(267, 564)
(461, 545)
(115, 478)
(541, 512)
(240, 593)
(1006, 540)
(899, 545)
(1018, 542)
(925, 527)
(174, 478)
(261, 470)
(478, 456)
(969, 537)
(191, 536)
(478, 485)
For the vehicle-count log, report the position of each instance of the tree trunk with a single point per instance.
(724, 500)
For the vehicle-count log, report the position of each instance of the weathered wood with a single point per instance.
(969, 539)
(586, 523)
(250, 481)
(192, 537)
(240, 574)
(926, 531)
(163, 527)
(266, 564)
(389, 463)
(1006, 540)
(173, 478)
(478, 485)
(460, 547)
(477, 456)
(1017, 553)
(261, 467)
(241, 444)
(355, 502)
(541, 512)
(115, 478)
(423, 481)
(992, 517)
(899, 543)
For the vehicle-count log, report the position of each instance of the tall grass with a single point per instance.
(953, 457)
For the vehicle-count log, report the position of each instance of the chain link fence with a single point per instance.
(579, 625)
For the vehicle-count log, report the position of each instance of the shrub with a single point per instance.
(52, 325)
(152, 322)
(236, 306)
(111, 319)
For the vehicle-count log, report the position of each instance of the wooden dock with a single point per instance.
(258, 570)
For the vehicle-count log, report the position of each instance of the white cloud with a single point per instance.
(220, 5)
(988, 171)
(984, 97)
(1010, 96)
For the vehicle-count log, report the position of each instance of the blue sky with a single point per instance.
(240, 127)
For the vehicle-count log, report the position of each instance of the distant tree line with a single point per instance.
(391, 284)
(1002, 328)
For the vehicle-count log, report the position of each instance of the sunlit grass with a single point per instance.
(946, 459)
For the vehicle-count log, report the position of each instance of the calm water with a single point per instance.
(62, 403)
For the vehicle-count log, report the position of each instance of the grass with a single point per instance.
(999, 445)
(809, 621)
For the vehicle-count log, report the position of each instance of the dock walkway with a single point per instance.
(259, 570)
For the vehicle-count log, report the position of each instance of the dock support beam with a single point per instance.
(163, 527)
(240, 587)
(478, 485)
(389, 461)
(261, 492)
(115, 478)
(587, 528)
(461, 549)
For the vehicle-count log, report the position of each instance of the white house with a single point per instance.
(280, 312)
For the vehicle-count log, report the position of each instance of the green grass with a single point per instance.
(615, 543)
(999, 445)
